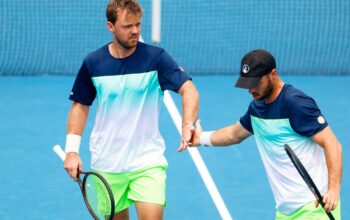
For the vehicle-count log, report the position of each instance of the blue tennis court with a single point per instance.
(43, 43)
(33, 118)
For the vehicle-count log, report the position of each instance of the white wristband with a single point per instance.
(72, 143)
(204, 139)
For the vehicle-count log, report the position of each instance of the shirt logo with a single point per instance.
(245, 68)
(321, 120)
(181, 69)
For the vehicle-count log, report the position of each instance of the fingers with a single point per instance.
(187, 136)
(80, 166)
(197, 131)
(197, 134)
(73, 165)
(330, 204)
(184, 144)
(73, 173)
(198, 126)
(182, 147)
(190, 136)
(330, 200)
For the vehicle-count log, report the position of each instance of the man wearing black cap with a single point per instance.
(281, 114)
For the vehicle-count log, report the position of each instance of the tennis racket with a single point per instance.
(96, 192)
(305, 175)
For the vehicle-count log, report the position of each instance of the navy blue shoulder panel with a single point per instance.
(304, 115)
(102, 63)
(146, 58)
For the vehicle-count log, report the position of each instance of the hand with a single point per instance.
(73, 164)
(187, 133)
(330, 200)
(197, 134)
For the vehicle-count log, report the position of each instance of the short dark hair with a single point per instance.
(114, 6)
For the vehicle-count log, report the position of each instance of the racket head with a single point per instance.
(98, 196)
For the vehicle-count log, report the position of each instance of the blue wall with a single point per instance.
(205, 36)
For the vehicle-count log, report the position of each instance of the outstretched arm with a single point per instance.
(190, 103)
(232, 134)
(333, 150)
(76, 122)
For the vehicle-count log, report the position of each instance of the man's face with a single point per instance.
(264, 89)
(126, 29)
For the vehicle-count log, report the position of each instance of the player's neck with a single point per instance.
(275, 92)
(118, 51)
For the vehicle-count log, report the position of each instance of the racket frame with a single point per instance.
(306, 177)
(62, 155)
(82, 185)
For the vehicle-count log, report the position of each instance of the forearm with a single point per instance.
(334, 165)
(75, 126)
(190, 103)
(190, 99)
(223, 137)
(76, 122)
(333, 150)
(77, 119)
(230, 135)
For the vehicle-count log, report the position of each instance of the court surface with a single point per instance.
(33, 117)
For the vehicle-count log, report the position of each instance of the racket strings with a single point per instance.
(98, 197)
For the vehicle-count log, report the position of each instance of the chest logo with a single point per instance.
(181, 69)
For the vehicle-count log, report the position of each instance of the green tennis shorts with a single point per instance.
(309, 212)
(145, 185)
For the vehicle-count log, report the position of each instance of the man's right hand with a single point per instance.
(73, 164)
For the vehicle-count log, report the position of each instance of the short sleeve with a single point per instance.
(246, 122)
(170, 75)
(83, 91)
(305, 117)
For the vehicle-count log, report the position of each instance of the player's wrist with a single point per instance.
(72, 143)
(204, 138)
(187, 124)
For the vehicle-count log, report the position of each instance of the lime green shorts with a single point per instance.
(145, 185)
(309, 212)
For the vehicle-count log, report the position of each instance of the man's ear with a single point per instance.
(110, 26)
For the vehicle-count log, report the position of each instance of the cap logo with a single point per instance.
(245, 68)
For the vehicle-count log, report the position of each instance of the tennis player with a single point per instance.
(127, 78)
(281, 114)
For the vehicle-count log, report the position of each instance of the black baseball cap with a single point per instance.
(254, 65)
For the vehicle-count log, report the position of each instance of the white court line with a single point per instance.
(198, 161)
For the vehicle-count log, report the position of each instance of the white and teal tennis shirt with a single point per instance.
(291, 119)
(129, 93)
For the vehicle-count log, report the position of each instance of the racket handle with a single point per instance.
(58, 150)
(330, 216)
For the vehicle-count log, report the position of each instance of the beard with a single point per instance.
(129, 44)
(267, 91)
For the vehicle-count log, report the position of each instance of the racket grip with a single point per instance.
(58, 150)
(330, 216)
